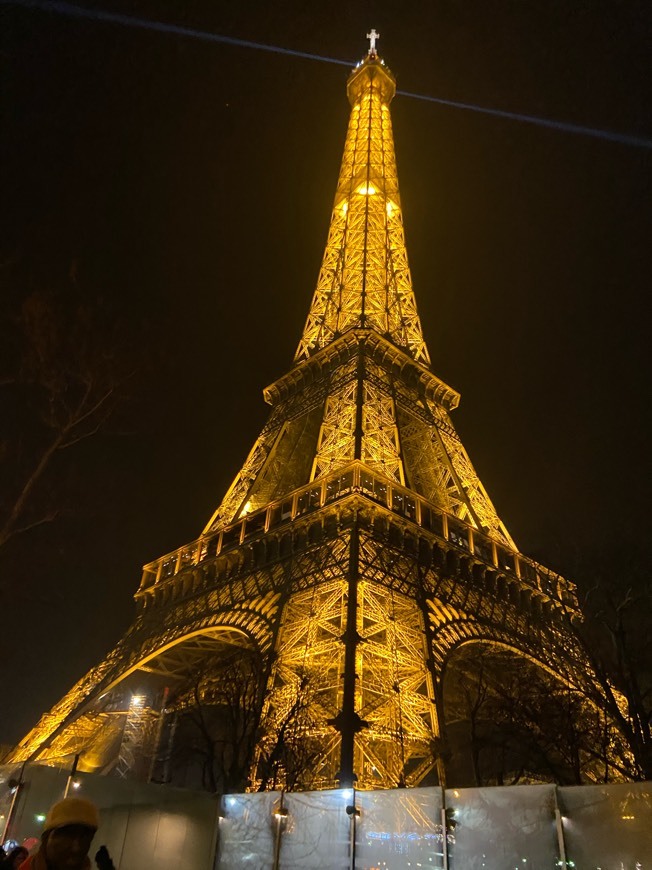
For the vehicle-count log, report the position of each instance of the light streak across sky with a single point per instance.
(73, 11)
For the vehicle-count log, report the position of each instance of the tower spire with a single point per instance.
(364, 281)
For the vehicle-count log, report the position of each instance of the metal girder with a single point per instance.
(180, 660)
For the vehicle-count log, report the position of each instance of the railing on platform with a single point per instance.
(357, 478)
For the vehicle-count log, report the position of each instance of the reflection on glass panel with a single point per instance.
(187, 556)
(303, 503)
(169, 567)
(170, 828)
(482, 548)
(346, 482)
(317, 830)
(231, 537)
(404, 504)
(247, 830)
(208, 548)
(608, 826)
(431, 520)
(373, 487)
(338, 486)
(314, 497)
(367, 483)
(505, 559)
(309, 500)
(397, 501)
(458, 534)
(280, 513)
(255, 524)
(501, 828)
(399, 828)
(380, 491)
(410, 508)
(331, 489)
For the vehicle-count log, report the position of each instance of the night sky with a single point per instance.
(189, 185)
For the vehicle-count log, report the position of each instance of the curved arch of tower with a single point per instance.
(355, 550)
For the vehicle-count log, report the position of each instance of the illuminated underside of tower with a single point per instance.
(356, 549)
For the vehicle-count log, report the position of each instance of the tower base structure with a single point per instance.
(353, 589)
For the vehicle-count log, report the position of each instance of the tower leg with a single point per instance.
(348, 721)
(441, 733)
(435, 677)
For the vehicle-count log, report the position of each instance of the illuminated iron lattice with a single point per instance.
(365, 279)
(356, 549)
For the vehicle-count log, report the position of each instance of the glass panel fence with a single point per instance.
(317, 831)
(247, 831)
(338, 486)
(308, 500)
(404, 504)
(208, 548)
(280, 513)
(373, 487)
(505, 560)
(503, 828)
(605, 827)
(431, 520)
(169, 567)
(231, 537)
(255, 524)
(367, 483)
(410, 508)
(314, 497)
(482, 548)
(608, 826)
(458, 534)
(400, 828)
(188, 556)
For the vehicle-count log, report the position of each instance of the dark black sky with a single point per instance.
(191, 184)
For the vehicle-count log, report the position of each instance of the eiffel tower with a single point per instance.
(356, 544)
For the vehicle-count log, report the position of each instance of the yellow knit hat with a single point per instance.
(72, 811)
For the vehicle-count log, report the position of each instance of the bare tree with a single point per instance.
(518, 723)
(616, 638)
(59, 375)
(228, 729)
(219, 715)
(291, 749)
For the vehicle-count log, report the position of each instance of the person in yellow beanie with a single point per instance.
(68, 832)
